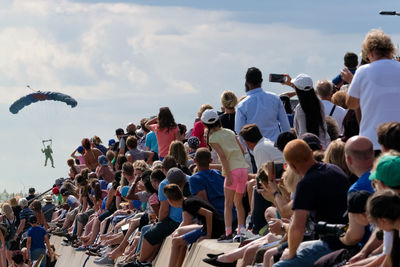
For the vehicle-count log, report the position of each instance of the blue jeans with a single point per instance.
(142, 232)
(35, 254)
(307, 253)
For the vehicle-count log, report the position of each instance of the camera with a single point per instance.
(326, 229)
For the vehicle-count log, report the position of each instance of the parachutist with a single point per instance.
(47, 152)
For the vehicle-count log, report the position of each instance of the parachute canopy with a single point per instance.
(41, 96)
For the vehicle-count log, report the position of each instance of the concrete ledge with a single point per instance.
(198, 251)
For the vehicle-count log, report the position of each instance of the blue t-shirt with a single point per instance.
(37, 233)
(338, 78)
(151, 141)
(175, 214)
(363, 183)
(212, 182)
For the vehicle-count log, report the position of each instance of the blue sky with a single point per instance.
(122, 60)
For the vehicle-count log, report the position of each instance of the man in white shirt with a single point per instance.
(375, 86)
(324, 91)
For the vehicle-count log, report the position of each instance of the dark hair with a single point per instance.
(117, 179)
(127, 167)
(168, 163)
(332, 128)
(32, 219)
(121, 159)
(131, 142)
(36, 206)
(350, 60)
(173, 192)
(286, 104)
(96, 187)
(389, 135)
(157, 175)
(311, 106)
(262, 174)
(283, 139)
(166, 119)
(203, 157)
(31, 190)
(254, 76)
(251, 133)
(182, 128)
(147, 184)
(17, 257)
(86, 143)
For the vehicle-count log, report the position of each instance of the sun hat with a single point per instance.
(48, 198)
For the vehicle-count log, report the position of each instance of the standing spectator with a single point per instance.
(350, 122)
(80, 159)
(9, 220)
(325, 91)
(198, 128)
(234, 168)
(151, 144)
(91, 154)
(37, 239)
(375, 86)
(309, 113)
(104, 171)
(260, 107)
(166, 130)
(16, 209)
(97, 143)
(24, 216)
(48, 208)
(229, 102)
(134, 153)
(31, 194)
(350, 64)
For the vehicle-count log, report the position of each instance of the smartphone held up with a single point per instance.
(277, 78)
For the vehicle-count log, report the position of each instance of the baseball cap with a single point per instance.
(102, 160)
(312, 141)
(103, 185)
(388, 171)
(176, 176)
(119, 131)
(303, 82)
(111, 142)
(80, 149)
(209, 116)
(55, 191)
(253, 75)
(357, 200)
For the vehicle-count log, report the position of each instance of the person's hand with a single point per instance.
(288, 80)
(228, 179)
(275, 226)
(359, 256)
(346, 75)
(286, 255)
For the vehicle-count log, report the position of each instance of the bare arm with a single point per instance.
(28, 246)
(47, 241)
(150, 122)
(352, 102)
(73, 154)
(20, 228)
(355, 232)
(208, 215)
(164, 210)
(203, 195)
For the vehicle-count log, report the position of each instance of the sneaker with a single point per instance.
(65, 243)
(104, 261)
(225, 239)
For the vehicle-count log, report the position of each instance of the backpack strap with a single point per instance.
(332, 110)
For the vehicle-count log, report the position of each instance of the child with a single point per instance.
(234, 168)
(37, 238)
(166, 130)
(212, 225)
(350, 63)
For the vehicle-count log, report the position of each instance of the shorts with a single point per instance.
(160, 231)
(239, 180)
(72, 214)
(84, 217)
(192, 236)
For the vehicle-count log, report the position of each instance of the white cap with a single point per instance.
(303, 82)
(209, 116)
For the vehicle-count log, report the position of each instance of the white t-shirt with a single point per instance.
(377, 85)
(387, 242)
(265, 151)
(338, 114)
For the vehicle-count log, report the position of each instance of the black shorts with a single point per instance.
(160, 231)
(84, 217)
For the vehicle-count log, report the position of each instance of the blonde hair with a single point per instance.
(13, 202)
(140, 165)
(378, 42)
(203, 108)
(110, 155)
(334, 154)
(6, 208)
(339, 99)
(290, 179)
(178, 151)
(229, 100)
(96, 140)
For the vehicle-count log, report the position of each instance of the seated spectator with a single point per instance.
(389, 136)
(321, 183)
(335, 154)
(198, 128)
(211, 223)
(133, 154)
(104, 171)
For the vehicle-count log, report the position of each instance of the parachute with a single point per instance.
(41, 96)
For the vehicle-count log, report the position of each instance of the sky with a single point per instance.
(123, 60)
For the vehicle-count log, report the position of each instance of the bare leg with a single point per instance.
(268, 260)
(148, 252)
(249, 254)
(239, 252)
(121, 248)
(178, 252)
(240, 209)
(229, 195)
(93, 234)
(249, 186)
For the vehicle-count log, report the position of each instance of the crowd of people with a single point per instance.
(313, 185)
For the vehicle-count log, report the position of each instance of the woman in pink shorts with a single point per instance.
(234, 168)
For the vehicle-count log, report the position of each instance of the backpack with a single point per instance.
(5, 229)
